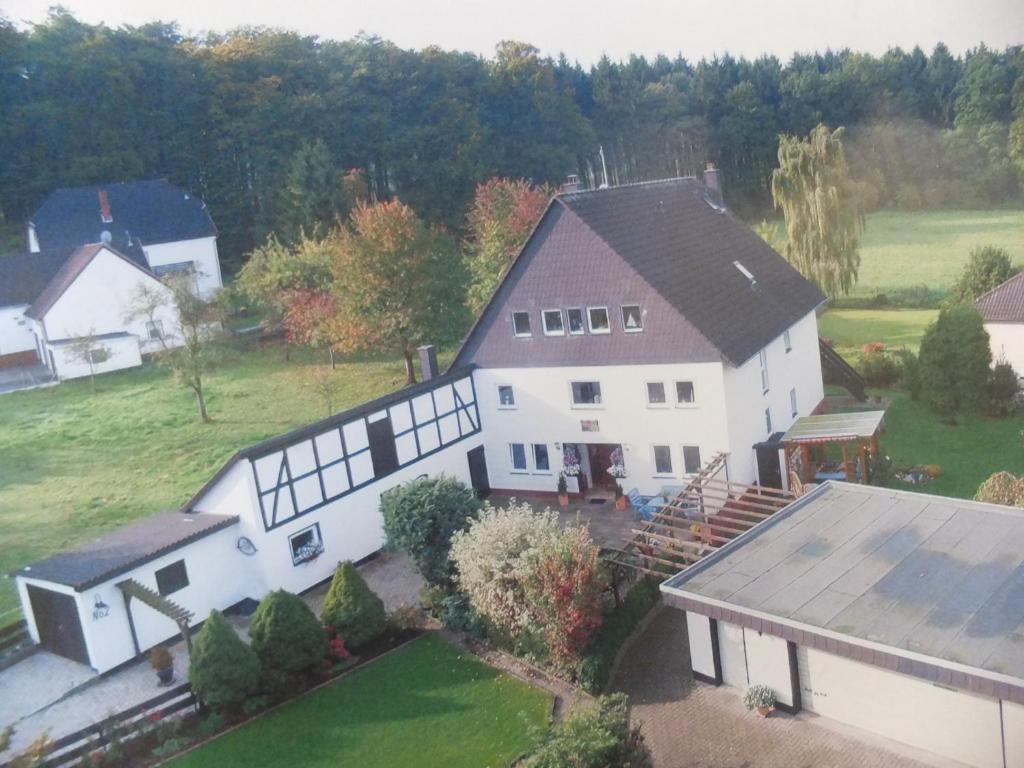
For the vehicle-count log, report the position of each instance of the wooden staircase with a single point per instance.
(836, 370)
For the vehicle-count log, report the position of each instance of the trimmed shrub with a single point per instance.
(352, 609)
(598, 736)
(288, 639)
(878, 368)
(619, 623)
(420, 518)
(954, 362)
(1002, 390)
(224, 670)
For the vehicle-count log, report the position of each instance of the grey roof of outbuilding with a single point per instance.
(1004, 303)
(685, 248)
(23, 276)
(125, 548)
(151, 211)
(938, 577)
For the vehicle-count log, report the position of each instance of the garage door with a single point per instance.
(56, 617)
(733, 655)
(951, 723)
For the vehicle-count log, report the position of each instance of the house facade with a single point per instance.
(1002, 309)
(643, 329)
(90, 250)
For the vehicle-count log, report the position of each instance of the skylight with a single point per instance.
(746, 273)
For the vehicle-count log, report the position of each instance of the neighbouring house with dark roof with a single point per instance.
(90, 249)
(642, 330)
(1002, 309)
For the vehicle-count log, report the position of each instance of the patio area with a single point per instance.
(609, 527)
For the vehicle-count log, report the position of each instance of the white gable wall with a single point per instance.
(122, 352)
(15, 330)
(202, 252)
(101, 297)
(800, 368)
(1006, 341)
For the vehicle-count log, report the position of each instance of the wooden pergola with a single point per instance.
(706, 514)
(856, 433)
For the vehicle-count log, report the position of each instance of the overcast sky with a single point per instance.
(584, 30)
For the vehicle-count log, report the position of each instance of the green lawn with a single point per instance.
(968, 452)
(74, 465)
(427, 704)
(851, 329)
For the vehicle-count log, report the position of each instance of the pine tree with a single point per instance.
(287, 638)
(224, 670)
(352, 609)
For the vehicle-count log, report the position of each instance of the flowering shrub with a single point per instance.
(336, 649)
(873, 347)
(570, 462)
(618, 467)
(493, 560)
(759, 696)
(564, 593)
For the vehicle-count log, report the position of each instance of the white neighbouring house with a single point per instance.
(1002, 309)
(90, 250)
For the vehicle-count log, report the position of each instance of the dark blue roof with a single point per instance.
(150, 211)
(23, 276)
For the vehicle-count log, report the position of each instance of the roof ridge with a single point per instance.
(628, 184)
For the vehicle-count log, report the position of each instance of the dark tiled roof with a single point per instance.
(1004, 303)
(23, 276)
(125, 548)
(151, 211)
(685, 248)
(68, 273)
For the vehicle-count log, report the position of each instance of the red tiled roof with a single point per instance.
(1004, 303)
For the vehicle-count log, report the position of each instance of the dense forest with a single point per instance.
(247, 118)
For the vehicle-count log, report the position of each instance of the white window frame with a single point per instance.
(318, 540)
(590, 406)
(590, 321)
(158, 327)
(762, 356)
(529, 322)
(794, 410)
(671, 461)
(683, 403)
(512, 459)
(664, 392)
(768, 420)
(583, 321)
(533, 452)
(787, 341)
(700, 459)
(507, 406)
(622, 317)
(544, 322)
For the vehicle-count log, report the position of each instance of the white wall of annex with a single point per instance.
(1013, 732)
(122, 352)
(1006, 341)
(100, 300)
(15, 330)
(201, 251)
(544, 413)
(800, 368)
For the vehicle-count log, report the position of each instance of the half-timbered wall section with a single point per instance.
(301, 472)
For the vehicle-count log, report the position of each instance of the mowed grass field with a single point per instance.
(851, 329)
(75, 464)
(427, 704)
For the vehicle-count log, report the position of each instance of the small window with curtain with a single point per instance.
(306, 545)
(662, 460)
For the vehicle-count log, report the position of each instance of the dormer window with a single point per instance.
(521, 324)
(598, 318)
(553, 324)
(632, 318)
(746, 273)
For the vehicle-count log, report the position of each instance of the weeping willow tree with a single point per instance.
(823, 216)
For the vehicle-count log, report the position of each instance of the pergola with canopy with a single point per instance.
(856, 433)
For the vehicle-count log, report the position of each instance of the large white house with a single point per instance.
(1002, 309)
(90, 250)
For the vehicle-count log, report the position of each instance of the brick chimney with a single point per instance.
(105, 215)
(713, 182)
(428, 362)
(571, 183)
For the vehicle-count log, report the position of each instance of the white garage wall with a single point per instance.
(1013, 733)
(698, 630)
(733, 656)
(952, 723)
(768, 664)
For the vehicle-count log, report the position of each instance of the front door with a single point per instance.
(600, 456)
(769, 469)
(478, 472)
(56, 617)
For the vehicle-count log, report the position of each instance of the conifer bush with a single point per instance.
(224, 670)
(288, 639)
(352, 609)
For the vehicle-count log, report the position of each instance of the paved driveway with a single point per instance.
(695, 725)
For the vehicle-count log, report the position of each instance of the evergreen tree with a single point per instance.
(224, 671)
(987, 268)
(352, 609)
(812, 186)
(312, 192)
(287, 638)
(953, 364)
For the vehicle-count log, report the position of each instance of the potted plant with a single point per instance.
(161, 660)
(761, 698)
(563, 490)
(621, 501)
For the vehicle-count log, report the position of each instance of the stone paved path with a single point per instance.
(694, 725)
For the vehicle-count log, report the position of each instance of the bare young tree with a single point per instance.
(321, 381)
(89, 349)
(191, 350)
